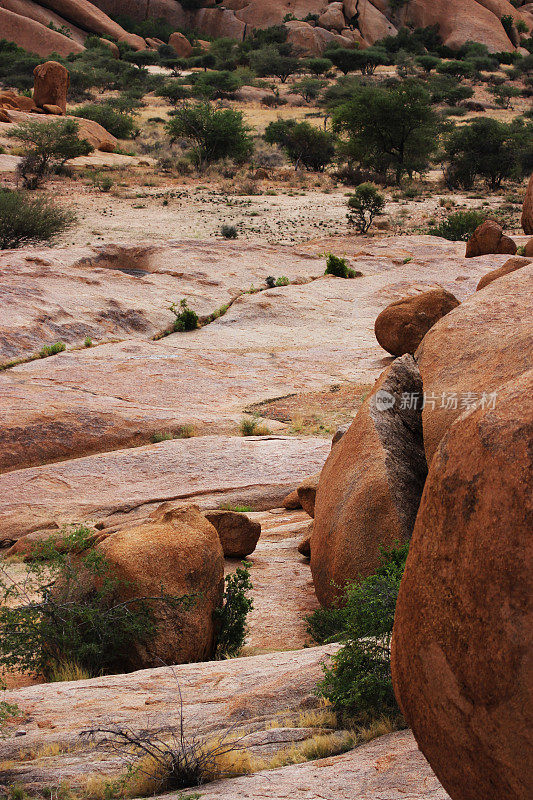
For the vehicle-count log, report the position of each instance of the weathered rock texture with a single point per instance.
(510, 266)
(401, 326)
(50, 85)
(474, 350)
(370, 486)
(463, 639)
(238, 534)
(307, 493)
(489, 238)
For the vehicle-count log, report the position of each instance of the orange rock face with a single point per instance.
(35, 37)
(370, 486)
(50, 87)
(182, 554)
(463, 633)
(181, 44)
(527, 212)
(476, 348)
(401, 326)
(238, 534)
(489, 238)
(510, 266)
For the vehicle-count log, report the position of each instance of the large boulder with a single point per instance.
(181, 44)
(463, 638)
(28, 8)
(35, 37)
(370, 486)
(91, 18)
(489, 238)
(460, 21)
(527, 211)
(475, 349)
(373, 23)
(510, 265)
(238, 534)
(181, 554)
(312, 41)
(50, 85)
(403, 324)
(306, 492)
(333, 18)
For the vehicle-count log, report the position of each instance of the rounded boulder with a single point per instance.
(403, 324)
(238, 534)
(463, 632)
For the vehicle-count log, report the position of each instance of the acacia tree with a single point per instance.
(389, 129)
(214, 133)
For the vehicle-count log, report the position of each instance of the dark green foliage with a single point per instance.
(445, 89)
(118, 123)
(16, 66)
(147, 28)
(389, 129)
(418, 42)
(214, 133)
(186, 318)
(339, 267)
(215, 85)
(48, 146)
(459, 226)
(428, 62)
(25, 219)
(65, 611)
(270, 62)
(174, 92)
(7, 710)
(231, 618)
(504, 94)
(52, 349)
(457, 69)
(318, 66)
(364, 205)
(358, 683)
(344, 90)
(490, 150)
(305, 144)
(308, 87)
(262, 37)
(508, 25)
(364, 61)
(229, 231)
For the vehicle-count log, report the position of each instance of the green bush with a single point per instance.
(117, 123)
(318, 66)
(231, 618)
(186, 318)
(229, 231)
(364, 205)
(48, 146)
(305, 144)
(270, 62)
(52, 349)
(459, 227)
(64, 610)
(358, 682)
(215, 85)
(308, 87)
(24, 219)
(338, 267)
(174, 92)
(214, 133)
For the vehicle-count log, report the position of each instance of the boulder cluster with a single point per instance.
(61, 26)
(440, 455)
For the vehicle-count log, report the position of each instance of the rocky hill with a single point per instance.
(61, 26)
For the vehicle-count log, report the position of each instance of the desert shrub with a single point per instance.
(504, 94)
(231, 618)
(52, 349)
(458, 227)
(186, 318)
(389, 128)
(428, 63)
(358, 682)
(229, 232)
(152, 28)
(364, 205)
(457, 69)
(338, 267)
(308, 87)
(270, 62)
(7, 710)
(173, 91)
(51, 616)
(214, 85)
(25, 219)
(118, 123)
(48, 146)
(445, 89)
(214, 133)
(304, 144)
(282, 281)
(16, 66)
(490, 150)
(318, 66)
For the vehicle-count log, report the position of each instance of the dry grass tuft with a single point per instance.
(66, 671)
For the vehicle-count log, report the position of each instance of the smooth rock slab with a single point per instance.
(123, 485)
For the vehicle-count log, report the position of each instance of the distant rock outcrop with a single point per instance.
(463, 640)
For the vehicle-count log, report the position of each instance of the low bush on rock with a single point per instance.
(339, 267)
(50, 618)
(186, 318)
(358, 683)
(459, 227)
(232, 616)
(117, 123)
(25, 219)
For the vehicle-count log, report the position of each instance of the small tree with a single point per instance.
(24, 219)
(214, 133)
(48, 145)
(173, 91)
(305, 144)
(364, 205)
(318, 66)
(309, 88)
(237, 604)
(186, 318)
(269, 62)
(504, 94)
